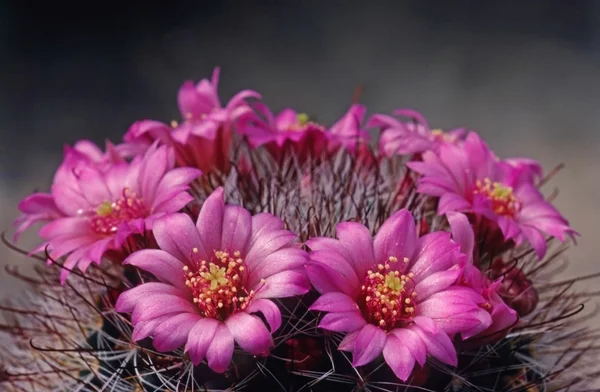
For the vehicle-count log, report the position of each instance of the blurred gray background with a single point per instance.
(523, 74)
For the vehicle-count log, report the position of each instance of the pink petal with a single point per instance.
(270, 311)
(347, 344)
(161, 306)
(144, 329)
(462, 232)
(176, 178)
(250, 333)
(177, 235)
(210, 221)
(73, 226)
(326, 279)
(509, 227)
(536, 239)
(284, 284)
(174, 204)
(396, 237)
(343, 321)
(341, 266)
(452, 202)
(173, 332)
(398, 357)
(427, 324)
(199, 339)
(269, 242)
(439, 345)
(413, 343)
(357, 239)
(434, 252)
(70, 263)
(368, 345)
(437, 281)
(160, 264)
(188, 100)
(128, 299)
(279, 261)
(237, 225)
(93, 185)
(334, 302)
(220, 350)
(96, 250)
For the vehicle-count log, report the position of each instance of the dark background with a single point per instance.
(525, 74)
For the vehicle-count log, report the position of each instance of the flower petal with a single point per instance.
(462, 232)
(347, 344)
(439, 345)
(284, 284)
(396, 237)
(334, 302)
(326, 279)
(450, 202)
(199, 339)
(129, 299)
(250, 333)
(210, 221)
(413, 343)
(177, 235)
(398, 357)
(437, 282)
(342, 321)
(161, 305)
(220, 350)
(237, 225)
(368, 345)
(282, 260)
(357, 239)
(173, 332)
(269, 310)
(160, 264)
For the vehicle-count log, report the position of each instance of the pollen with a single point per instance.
(109, 215)
(502, 198)
(303, 123)
(388, 296)
(217, 284)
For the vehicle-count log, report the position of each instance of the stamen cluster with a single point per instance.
(389, 296)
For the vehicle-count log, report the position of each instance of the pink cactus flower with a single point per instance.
(394, 293)
(293, 130)
(407, 138)
(469, 178)
(94, 206)
(203, 138)
(503, 317)
(213, 277)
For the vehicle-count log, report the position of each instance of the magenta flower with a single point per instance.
(203, 138)
(469, 178)
(290, 129)
(394, 293)
(406, 138)
(213, 277)
(40, 207)
(202, 112)
(347, 132)
(287, 127)
(141, 135)
(94, 207)
(503, 317)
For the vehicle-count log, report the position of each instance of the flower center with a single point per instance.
(388, 297)
(108, 216)
(303, 123)
(440, 136)
(217, 284)
(502, 198)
